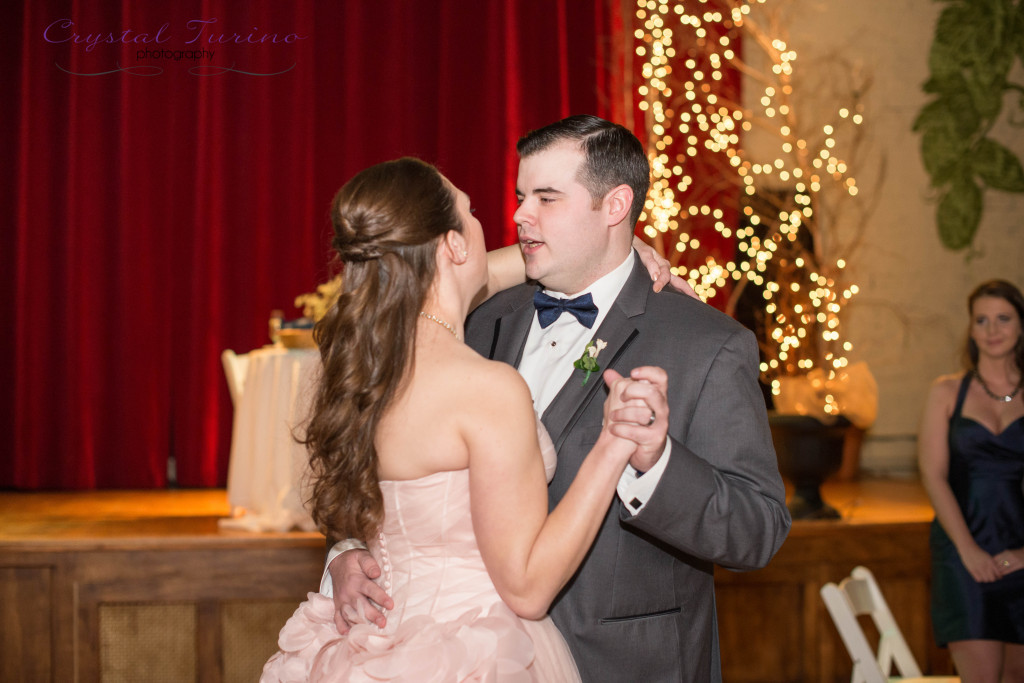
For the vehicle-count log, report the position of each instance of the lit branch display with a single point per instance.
(748, 171)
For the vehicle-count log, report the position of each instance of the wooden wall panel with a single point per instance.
(152, 642)
(758, 641)
(774, 627)
(26, 636)
(71, 563)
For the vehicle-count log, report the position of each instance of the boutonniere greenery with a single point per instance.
(588, 361)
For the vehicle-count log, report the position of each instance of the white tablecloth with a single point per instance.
(266, 474)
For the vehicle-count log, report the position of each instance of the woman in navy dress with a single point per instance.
(972, 464)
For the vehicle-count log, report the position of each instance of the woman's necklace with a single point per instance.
(997, 397)
(446, 325)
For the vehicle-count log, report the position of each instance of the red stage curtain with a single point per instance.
(159, 206)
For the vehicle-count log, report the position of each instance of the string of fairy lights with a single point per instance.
(685, 47)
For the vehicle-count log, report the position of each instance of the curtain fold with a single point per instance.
(160, 202)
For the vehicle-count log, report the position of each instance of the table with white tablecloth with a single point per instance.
(267, 482)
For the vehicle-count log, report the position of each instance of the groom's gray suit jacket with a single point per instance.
(642, 605)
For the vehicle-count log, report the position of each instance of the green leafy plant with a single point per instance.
(977, 43)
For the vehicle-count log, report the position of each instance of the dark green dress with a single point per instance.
(986, 473)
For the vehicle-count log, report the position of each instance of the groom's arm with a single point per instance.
(720, 497)
(349, 580)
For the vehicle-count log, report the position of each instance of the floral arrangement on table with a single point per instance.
(315, 304)
(298, 333)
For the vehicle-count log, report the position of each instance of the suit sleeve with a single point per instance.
(721, 498)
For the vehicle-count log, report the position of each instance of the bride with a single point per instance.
(433, 456)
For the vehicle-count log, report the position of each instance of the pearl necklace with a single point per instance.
(446, 325)
(997, 397)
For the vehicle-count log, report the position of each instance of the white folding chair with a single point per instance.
(235, 367)
(859, 595)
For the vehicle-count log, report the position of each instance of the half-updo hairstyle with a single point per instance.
(998, 289)
(387, 220)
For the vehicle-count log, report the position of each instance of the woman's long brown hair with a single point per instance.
(387, 223)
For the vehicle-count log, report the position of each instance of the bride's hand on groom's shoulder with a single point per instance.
(660, 269)
(638, 410)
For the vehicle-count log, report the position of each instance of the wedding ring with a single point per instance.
(1006, 563)
(653, 418)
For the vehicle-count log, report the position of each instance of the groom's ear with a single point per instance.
(617, 204)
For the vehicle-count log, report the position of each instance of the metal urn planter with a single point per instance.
(809, 451)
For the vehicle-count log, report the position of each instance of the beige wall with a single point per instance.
(909, 320)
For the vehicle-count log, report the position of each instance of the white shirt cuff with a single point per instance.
(634, 490)
(326, 588)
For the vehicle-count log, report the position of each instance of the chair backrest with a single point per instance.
(859, 595)
(235, 367)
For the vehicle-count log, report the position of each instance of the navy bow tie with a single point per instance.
(549, 308)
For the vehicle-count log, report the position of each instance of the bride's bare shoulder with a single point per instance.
(482, 372)
(488, 382)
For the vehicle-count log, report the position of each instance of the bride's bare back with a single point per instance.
(462, 411)
(452, 395)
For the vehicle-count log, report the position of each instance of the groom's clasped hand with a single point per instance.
(637, 410)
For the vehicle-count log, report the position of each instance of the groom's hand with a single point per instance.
(356, 596)
(644, 398)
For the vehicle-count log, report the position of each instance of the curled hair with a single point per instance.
(999, 289)
(612, 156)
(387, 220)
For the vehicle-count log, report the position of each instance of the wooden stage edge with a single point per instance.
(71, 563)
(83, 518)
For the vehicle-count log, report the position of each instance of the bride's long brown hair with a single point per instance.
(387, 220)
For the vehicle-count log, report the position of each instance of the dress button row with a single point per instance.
(385, 562)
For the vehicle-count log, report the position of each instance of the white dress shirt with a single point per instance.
(547, 364)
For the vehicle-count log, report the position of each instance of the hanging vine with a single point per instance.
(977, 44)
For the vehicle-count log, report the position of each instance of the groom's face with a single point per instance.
(562, 231)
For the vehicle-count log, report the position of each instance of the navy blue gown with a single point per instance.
(986, 473)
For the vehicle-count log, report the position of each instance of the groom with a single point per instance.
(641, 607)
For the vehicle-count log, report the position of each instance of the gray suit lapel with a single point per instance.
(513, 328)
(619, 331)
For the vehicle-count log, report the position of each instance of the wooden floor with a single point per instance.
(874, 501)
(71, 560)
(92, 517)
(76, 519)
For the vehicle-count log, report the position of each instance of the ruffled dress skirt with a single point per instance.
(448, 624)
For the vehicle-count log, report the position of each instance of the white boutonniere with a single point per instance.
(588, 361)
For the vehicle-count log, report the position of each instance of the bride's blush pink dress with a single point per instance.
(448, 624)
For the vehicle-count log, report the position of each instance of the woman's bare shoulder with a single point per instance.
(490, 380)
(487, 400)
(944, 390)
(947, 384)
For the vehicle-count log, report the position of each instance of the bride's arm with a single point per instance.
(529, 554)
(505, 268)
